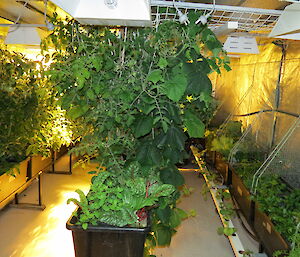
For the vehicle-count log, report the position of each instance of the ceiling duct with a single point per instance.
(132, 13)
(288, 23)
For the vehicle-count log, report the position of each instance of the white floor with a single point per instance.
(197, 237)
(34, 233)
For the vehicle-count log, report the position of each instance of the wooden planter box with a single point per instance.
(222, 167)
(271, 239)
(39, 163)
(242, 196)
(61, 152)
(210, 157)
(107, 241)
(10, 185)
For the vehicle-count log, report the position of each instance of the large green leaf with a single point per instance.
(198, 83)
(198, 80)
(173, 155)
(66, 101)
(162, 63)
(175, 88)
(148, 154)
(182, 214)
(195, 127)
(173, 112)
(174, 138)
(164, 214)
(77, 111)
(163, 235)
(206, 98)
(210, 39)
(143, 126)
(175, 219)
(155, 76)
(161, 190)
(171, 176)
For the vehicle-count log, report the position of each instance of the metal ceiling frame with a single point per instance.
(253, 20)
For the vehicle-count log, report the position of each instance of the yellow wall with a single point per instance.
(251, 85)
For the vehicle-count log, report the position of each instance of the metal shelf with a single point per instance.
(253, 20)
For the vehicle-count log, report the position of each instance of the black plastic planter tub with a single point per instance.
(107, 241)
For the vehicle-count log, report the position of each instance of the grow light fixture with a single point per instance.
(23, 36)
(136, 13)
(241, 44)
(27, 34)
(288, 24)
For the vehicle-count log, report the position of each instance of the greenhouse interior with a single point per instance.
(149, 128)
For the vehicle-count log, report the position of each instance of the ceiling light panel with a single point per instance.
(23, 36)
(241, 44)
(108, 12)
(288, 22)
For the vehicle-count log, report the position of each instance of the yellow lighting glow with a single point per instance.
(44, 234)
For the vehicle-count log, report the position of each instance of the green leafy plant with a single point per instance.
(223, 138)
(122, 199)
(140, 93)
(222, 194)
(227, 210)
(273, 196)
(247, 253)
(18, 101)
(223, 145)
(31, 121)
(280, 203)
(246, 170)
(226, 230)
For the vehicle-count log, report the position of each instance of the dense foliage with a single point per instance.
(31, 122)
(280, 203)
(18, 101)
(273, 196)
(139, 93)
(223, 138)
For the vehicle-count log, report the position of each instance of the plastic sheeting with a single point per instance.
(253, 85)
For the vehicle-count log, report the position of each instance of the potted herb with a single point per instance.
(139, 93)
(123, 200)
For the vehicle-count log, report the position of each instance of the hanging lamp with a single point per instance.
(288, 24)
(136, 13)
